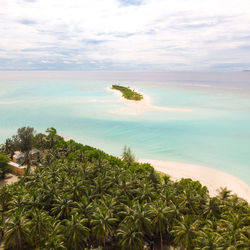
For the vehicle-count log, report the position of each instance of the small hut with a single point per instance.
(16, 168)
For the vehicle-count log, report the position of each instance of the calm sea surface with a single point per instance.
(215, 134)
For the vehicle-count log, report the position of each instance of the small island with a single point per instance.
(128, 93)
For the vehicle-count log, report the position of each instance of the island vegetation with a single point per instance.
(79, 197)
(128, 93)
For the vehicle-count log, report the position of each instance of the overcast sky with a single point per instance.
(153, 35)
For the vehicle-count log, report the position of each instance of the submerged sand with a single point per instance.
(211, 178)
(139, 107)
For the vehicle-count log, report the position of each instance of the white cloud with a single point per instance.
(163, 34)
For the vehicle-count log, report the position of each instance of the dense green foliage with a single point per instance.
(4, 169)
(24, 138)
(128, 93)
(22, 141)
(127, 156)
(79, 197)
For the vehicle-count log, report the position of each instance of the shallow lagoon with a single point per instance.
(215, 134)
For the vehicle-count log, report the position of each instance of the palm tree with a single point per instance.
(81, 156)
(4, 168)
(35, 178)
(100, 186)
(53, 173)
(55, 241)
(52, 137)
(184, 233)
(18, 202)
(5, 198)
(243, 242)
(39, 227)
(48, 192)
(146, 192)
(103, 224)
(176, 210)
(48, 160)
(1, 229)
(62, 180)
(83, 207)
(141, 216)
(110, 204)
(238, 204)
(130, 237)
(127, 156)
(125, 190)
(10, 147)
(208, 240)
(17, 233)
(33, 200)
(224, 193)
(231, 229)
(159, 214)
(62, 207)
(75, 187)
(75, 232)
(212, 208)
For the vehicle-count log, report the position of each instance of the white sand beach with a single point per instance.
(138, 107)
(211, 178)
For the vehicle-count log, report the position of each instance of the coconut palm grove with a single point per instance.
(74, 196)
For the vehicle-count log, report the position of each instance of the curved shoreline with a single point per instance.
(139, 107)
(211, 178)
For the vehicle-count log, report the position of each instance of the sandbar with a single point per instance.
(139, 107)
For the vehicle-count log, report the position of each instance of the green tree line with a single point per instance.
(79, 197)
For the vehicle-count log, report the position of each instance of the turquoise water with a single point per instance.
(215, 134)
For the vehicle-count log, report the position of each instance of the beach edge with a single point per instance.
(213, 179)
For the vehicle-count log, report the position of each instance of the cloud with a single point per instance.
(131, 2)
(27, 21)
(125, 35)
(92, 41)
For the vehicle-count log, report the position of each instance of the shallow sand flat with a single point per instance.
(211, 178)
(138, 107)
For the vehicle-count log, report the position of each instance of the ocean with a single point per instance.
(215, 133)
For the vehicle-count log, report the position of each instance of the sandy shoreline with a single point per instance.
(211, 178)
(138, 107)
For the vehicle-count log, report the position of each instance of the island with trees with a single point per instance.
(128, 93)
(79, 197)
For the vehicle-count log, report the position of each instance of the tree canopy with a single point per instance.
(79, 197)
(4, 169)
(128, 93)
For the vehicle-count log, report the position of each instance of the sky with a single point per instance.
(125, 35)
